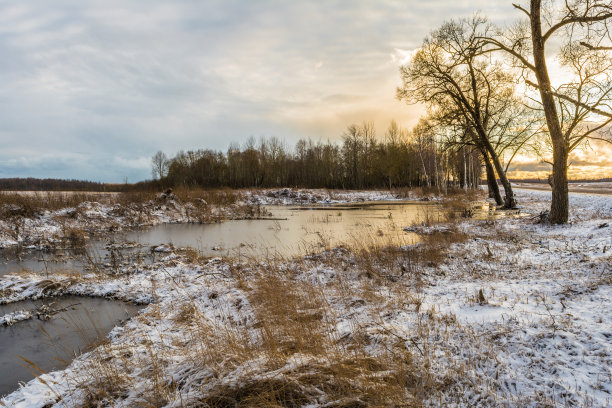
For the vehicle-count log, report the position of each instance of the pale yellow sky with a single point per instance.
(591, 162)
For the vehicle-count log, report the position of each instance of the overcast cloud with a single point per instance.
(91, 89)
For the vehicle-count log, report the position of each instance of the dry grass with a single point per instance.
(289, 355)
(30, 204)
(215, 197)
(282, 347)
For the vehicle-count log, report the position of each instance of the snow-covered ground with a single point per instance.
(513, 313)
(50, 228)
(288, 196)
(600, 187)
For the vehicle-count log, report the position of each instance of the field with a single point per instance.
(492, 312)
(603, 187)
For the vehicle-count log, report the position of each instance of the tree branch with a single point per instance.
(509, 50)
(517, 6)
(578, 103)
(594, 48)
(572, 20)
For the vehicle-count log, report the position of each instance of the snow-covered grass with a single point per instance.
(46, 220)
(297, 196)
(480, 313)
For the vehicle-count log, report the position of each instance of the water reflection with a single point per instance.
(294, 231)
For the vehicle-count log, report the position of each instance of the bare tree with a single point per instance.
(579, 108)
(159, 165)
(456, 134)
(452, 70)
(423, 139)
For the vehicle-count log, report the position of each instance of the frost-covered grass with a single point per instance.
(43, 220)
(297, 196)
(480, 313)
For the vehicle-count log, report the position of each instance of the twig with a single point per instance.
(402, 338)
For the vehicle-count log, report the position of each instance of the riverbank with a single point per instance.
(504, 312)
(38, 220)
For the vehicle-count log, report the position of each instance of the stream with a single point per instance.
(81, 322)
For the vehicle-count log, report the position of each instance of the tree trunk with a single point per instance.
(491, 180)
(509, 200)
(559, 208)
(465, 184)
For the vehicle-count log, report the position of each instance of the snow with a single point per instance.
(14, 317)
(49, 228)
(542, 336)
(287, 196)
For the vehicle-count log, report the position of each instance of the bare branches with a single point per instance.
(569, 99)
(509, 49)
(517, 6)
(595, 48)
(574, 19)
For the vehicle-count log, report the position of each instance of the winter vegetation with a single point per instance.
(400, 159)
(478, 313)
(497, 295)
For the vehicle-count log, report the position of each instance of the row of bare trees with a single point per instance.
(401, 159)
(490, 88)
(489, 96)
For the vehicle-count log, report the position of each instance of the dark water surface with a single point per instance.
(52, 344)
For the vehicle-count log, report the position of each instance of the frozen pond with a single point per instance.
(294, 231)
(75, 324)
(290, 231)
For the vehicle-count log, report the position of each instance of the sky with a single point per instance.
(92, 89)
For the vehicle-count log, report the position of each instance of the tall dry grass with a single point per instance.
(30, 204)
(274, 339)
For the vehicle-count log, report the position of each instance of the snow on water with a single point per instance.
(520, 314)
(14, 317)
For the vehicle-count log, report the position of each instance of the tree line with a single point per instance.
(50, 184)
(402, 158)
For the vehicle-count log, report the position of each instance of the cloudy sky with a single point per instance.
(92, 89)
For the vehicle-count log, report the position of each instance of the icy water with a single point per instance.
(76, 323)
(74, 260)
(295, 231)
(289, 232)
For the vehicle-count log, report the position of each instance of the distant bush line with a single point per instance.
(50, 184)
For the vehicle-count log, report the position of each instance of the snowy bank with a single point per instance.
(503, 312)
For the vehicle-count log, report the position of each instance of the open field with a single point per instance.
(503, 312)
(588, 188)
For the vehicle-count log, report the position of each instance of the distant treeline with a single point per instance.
(36, 184)
(402, 159)
(545, 181)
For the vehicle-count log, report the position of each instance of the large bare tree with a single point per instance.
(576, 107)
(452, 69)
